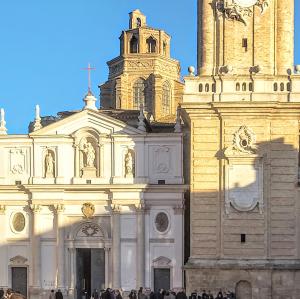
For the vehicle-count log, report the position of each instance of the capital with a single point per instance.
(35, 208)
(60, 208)
(2, 209)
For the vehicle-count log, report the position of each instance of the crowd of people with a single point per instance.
(145, 293)
(142, 293)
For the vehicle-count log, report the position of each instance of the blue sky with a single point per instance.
(46, 44)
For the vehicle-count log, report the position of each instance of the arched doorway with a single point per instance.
(89, 259)
(243, 290)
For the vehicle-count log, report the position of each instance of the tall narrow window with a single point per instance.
(275, 86)
(134, 45)
(244, 87)
(165, 48)
(281, 86)
(238, 87)
(166, 99)
(245, 44)
(138, 94)
(200, 87)
(151, 43)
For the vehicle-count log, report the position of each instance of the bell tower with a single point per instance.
(243, 34)
(144, 73)
(242, 114)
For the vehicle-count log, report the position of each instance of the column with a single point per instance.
(3, 249)
(60, 250)
(72, 272)
(116, 256)
(206, 37)
(140, 250)
(36, 247)
(285, 36)
(106, 251)
(76, 166)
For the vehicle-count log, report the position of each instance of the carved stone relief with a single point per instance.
(244, 173)
(18, 260)
(89, 230)
(140, 64)
(17, 158)
(162, 159)
(233, 10)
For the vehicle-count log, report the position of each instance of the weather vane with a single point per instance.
(89, 69)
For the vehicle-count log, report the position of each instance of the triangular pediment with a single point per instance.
(96, 120)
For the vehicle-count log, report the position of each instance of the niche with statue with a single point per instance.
(129, 163)
(49, 164)
(89, 156)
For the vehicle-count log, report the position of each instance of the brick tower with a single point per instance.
(143, 73)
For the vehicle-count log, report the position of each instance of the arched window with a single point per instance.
(250, 86)
(238, 87)
(166, 99)
(288, 87)
(244, 87)
(213, 87)
(138, 22)
(134, 45)
(200, 87)
(275, 86)
(207, 87)
(151, 44)
(139, 94)
(281, 86)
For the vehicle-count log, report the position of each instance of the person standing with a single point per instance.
(59, 295)
(52, 294)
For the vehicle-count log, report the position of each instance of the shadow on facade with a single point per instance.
(244, 233)
(240, 236)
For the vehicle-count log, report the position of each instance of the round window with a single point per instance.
(18, 222)
(162, 222)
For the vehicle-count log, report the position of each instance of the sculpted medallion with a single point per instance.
(161, 222)
(18, 222)
(88, 210)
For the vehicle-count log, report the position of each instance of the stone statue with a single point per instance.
(90, 154)
(129, 165)
(49, 163)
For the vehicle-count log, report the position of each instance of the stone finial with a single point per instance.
(3, 130)
(191, 71)
(297, 69)
(225, 69)
(177, 127)
(90, 101)
(141, 124)
(255, 69)
(37, 121)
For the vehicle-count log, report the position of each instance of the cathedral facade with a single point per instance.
(90, 199)
(242, 111)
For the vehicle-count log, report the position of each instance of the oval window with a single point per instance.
(162, 222)
(18, 222)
